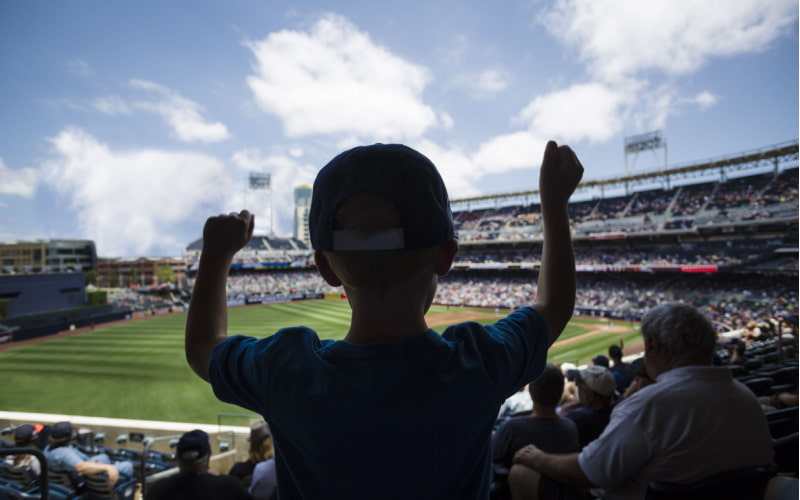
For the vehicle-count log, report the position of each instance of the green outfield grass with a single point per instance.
(138, 370)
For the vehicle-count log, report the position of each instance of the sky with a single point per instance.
(130, 123)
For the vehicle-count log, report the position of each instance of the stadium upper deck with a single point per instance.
(688, 214)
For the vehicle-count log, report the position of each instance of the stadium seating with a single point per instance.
(99, 488)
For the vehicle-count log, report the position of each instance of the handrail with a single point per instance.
(45, 486)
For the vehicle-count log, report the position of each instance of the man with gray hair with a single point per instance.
(696, 421)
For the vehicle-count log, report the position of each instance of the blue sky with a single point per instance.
(131, 122)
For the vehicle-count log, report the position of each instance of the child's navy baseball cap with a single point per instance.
(402, 175)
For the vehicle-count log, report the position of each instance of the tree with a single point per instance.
(133, 272)
(91, 277)
(113, 279)
(165, 274)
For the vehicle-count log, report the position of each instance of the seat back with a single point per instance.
(787, 449)
(21, 475)
(740, 484)
(99, 488)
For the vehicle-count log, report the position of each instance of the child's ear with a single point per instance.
(324, 268)
(445, 257)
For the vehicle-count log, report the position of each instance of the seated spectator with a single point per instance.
(601, 360)
(63, 456)
(670, 431)
(193, 480)
(542, 427)
(640, 378)
(261, 449)
(623, 375)
(736, 350)
(596, 387)
(25, 437)
(263, 486)
(569, 398)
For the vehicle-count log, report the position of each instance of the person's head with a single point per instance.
(596, 385)
(548, 388)
(261, 447)
(380, 218)
(61, 434)
(600, 361)
(676, 334)
(26, 434)
(615, 353)
(193, 452)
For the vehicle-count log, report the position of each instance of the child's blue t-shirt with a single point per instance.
(408, 419)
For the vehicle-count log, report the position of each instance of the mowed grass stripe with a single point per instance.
(138, 369)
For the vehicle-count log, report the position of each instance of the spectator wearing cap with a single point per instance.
(260, 449)
(684, 428)
(641, 378)
(621, 370)
(193, 480)
(63, 456)
(25, 437)
(596, 387)
(395, 409)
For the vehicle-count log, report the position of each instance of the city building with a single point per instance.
(139, 272)
(302, 203)
(47, 256)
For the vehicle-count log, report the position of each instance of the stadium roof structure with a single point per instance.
(718, 168)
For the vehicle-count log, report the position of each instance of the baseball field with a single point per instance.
(136, 369)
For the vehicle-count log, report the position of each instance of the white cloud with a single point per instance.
(334, 80)
(510, 152)
(286, 173)
(485, 83)
(705, 99)
(79, 67)
(182, 114)
(591, 112)
(622, 38)
(20, 182)
(111, 106)
(132, 203)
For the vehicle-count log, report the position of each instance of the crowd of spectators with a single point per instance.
(730, 301)
(740, 199)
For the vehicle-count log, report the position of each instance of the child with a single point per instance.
(394, 410)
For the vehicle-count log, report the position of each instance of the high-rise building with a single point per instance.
(302, 204)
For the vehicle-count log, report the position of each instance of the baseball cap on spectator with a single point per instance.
(258, 432)
(61, 430)
(26, 433)
(193, 446)
(597, 378)
(396, 172)
(600, 360)
(566, 368)
(614, 351)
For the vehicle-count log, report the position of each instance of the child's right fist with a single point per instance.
(560, 173)
(228, 233)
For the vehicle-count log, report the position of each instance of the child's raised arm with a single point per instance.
(207, 321)
(555, 298)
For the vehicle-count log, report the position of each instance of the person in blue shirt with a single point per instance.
(395, 409)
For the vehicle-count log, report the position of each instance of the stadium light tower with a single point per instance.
(259, 181)
(650, 141)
